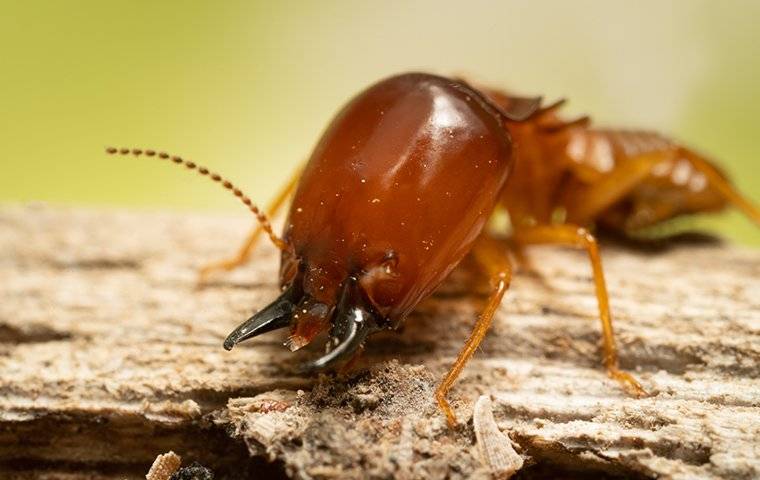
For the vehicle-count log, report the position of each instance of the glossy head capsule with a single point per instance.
(394, 195)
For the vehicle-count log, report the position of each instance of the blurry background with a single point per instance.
(247, 87)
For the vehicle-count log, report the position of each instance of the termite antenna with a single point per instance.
(260, 216)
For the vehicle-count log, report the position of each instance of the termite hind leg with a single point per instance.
(728, 191)
(493, 258)
(244, 253)
(585, 205)
(579, 237)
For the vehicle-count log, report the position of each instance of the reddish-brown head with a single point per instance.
(394, 195)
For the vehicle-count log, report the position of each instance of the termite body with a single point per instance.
(621, 180)
(403, 182)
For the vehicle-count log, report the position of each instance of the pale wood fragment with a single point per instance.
(496, 449)
(164, 466)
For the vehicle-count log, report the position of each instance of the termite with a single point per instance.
(405, 178)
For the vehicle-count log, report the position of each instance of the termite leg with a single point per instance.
(572, 235)
(493, 258)
(585, 205)
(727, 190)
(244, 253)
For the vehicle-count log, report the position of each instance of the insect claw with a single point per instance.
(276, 315)
(352, 324)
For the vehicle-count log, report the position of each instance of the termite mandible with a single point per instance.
(399, 189)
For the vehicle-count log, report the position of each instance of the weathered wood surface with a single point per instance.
(109, 356)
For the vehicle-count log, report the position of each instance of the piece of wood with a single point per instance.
(109, 356)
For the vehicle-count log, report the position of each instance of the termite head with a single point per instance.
(314, 299)
(349, 319)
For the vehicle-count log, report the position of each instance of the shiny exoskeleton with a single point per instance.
(404, 180)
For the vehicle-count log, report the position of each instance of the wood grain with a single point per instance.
(110, 355)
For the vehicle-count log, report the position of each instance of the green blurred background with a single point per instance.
(247, 87)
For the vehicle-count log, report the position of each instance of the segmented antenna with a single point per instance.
(260, 216)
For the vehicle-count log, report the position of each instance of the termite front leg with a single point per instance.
(244, 253)
(493, 258)
(579, 237)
